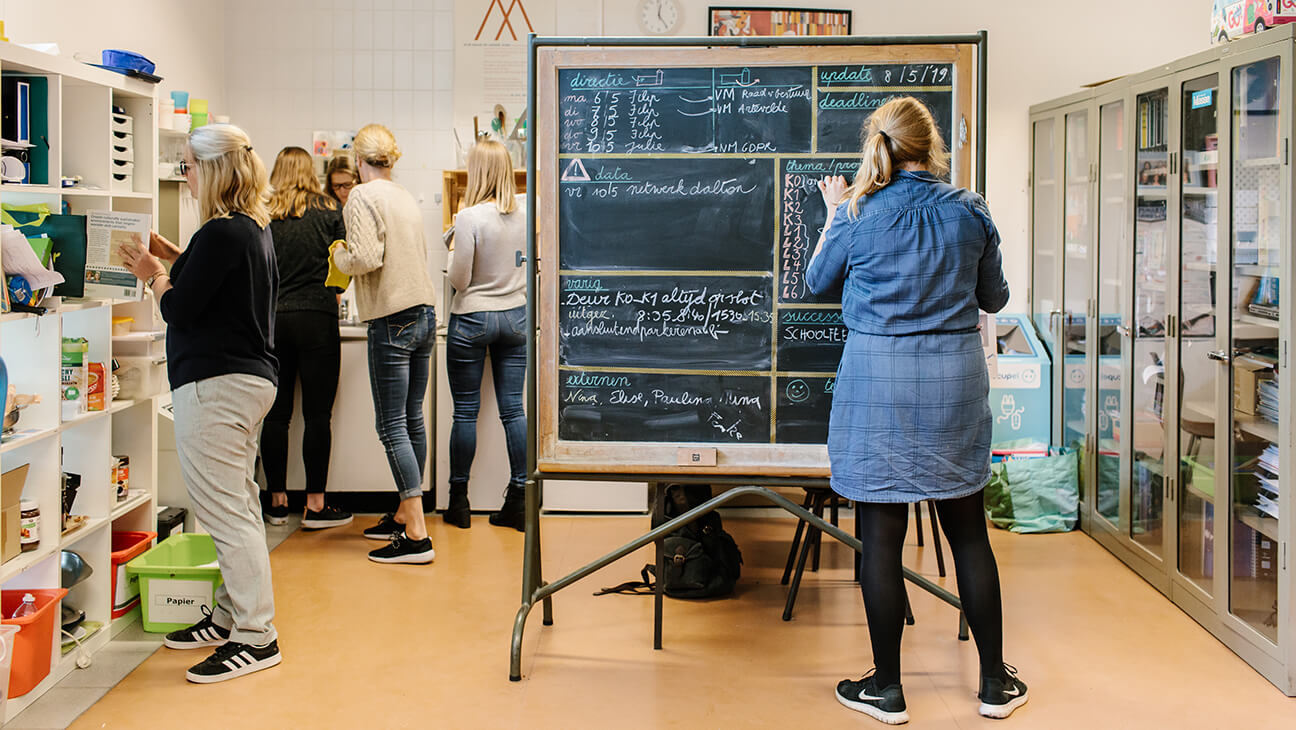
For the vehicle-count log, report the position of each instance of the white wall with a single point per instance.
(184, 38)
(295, 66)
(1034, 55)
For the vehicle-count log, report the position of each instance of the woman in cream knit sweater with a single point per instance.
(386, 253)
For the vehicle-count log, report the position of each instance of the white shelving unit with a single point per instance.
(80, 138)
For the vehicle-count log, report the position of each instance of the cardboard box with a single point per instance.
(1248, 371)
(95, 385)
(11, 489)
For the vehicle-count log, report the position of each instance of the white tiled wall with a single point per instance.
(295, 66)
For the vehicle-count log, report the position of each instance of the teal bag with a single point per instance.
(1034, 495)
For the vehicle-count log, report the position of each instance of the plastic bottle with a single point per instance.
(27, 608)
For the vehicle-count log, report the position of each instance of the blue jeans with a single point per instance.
(471, 336)
(400, 352)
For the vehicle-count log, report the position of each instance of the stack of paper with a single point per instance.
(1267, 405)
(1266, 474)
(20, 258)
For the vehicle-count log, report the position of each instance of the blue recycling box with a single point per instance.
(1076, 406)
(1020, 399)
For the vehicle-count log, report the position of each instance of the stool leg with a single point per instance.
(820, 504)
(801, 561)
(936, 541)
(796, 540)
(918, 521)
(909, 617)
(834, 507)
(859, 517)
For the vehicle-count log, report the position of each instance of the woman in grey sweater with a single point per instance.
(488, 314)
(386, 253)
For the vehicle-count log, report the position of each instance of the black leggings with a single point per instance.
(882, 530)
(307, 345)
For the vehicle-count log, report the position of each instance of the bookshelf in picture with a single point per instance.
(1151, 121)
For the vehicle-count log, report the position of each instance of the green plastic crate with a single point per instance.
(177, 578)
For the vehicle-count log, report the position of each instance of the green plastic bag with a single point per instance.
(1034, 495)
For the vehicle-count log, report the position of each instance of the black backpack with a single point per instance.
(702, 560)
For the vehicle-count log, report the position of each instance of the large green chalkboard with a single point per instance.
(682, 214)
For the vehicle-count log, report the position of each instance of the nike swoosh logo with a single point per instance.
(1013, 693)
(868, 698)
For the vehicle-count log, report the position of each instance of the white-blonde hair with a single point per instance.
(376, 145)
(901, 130)
(490, 176)
(231, 177)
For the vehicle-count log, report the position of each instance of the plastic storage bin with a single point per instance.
(176, 579)
(34, 644)
(7, 636)
(126, 546)
(1020, 396)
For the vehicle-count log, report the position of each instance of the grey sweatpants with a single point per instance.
(216, 424)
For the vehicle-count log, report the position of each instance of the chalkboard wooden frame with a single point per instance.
(552, 455)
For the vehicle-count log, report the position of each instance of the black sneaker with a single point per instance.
(886, 703)
(202, 634)
(404, 550)
(386, 529)
(276, 515)
(234, 660)
(325, 518)
(999, 697)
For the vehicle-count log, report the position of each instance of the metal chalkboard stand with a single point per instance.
(534, 588)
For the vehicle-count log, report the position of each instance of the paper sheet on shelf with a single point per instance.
(19, 258)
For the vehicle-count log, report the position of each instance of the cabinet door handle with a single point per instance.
(1123, 330)
(1220, 356)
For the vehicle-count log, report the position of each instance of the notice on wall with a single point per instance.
(491, 59)
(106, 275)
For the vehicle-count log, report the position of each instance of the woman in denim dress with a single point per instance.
(915, 259)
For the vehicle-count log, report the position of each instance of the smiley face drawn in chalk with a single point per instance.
(797, 391)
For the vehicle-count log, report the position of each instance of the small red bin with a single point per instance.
(125, 547)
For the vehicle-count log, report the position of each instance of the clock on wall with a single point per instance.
(659, 17)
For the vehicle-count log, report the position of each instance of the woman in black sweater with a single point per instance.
(305, 222)
(218, 303)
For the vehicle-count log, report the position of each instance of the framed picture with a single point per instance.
(730, 21)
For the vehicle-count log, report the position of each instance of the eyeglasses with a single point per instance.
(344, 185)
(184, 168)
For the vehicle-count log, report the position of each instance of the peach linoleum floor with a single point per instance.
(377, 646)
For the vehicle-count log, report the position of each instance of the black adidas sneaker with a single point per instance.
(999, 697)
(386, 529)
(234, 660)
(202, 634)
(880, 703)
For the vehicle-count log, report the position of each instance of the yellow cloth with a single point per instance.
(335, 276)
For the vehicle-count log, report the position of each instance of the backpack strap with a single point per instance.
(644, 587)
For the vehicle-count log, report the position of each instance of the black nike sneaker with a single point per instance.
(999, 697)
(328, 517)
(885, 704)
(386, 529)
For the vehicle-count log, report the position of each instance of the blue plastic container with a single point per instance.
(1020, 399)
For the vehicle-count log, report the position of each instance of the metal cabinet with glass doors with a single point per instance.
(1161, 235)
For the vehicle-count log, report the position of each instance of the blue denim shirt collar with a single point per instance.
(918, 175)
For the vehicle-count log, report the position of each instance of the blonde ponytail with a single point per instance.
(900, 131)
